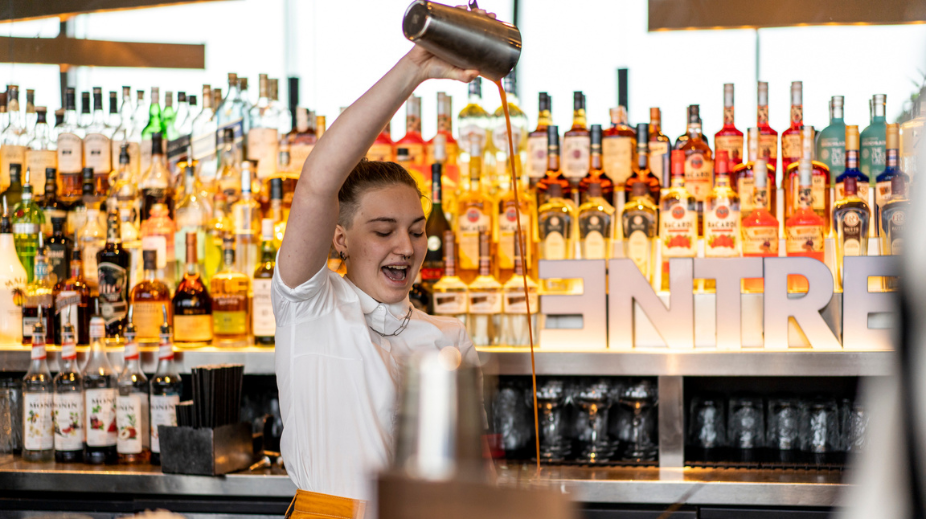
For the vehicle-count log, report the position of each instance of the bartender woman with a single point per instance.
(340, 342)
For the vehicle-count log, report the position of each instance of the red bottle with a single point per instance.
(729, 139)
(791, 138)
(768, 138)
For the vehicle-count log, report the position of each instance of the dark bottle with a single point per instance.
(58, 248)
(420, 296)
(433, 268)
(92, 199)
(72, 301)
(99, 400)
(643, 173)
(113, 270)
(263, 325)
(14, 193)
(166, 388)
(192, 304)
(51, 206)
(69, 403)
(155, 184)
(596, 173)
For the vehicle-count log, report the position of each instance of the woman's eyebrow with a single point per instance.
(385, 219)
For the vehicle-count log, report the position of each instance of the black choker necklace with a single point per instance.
(401, 329)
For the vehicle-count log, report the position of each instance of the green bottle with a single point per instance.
(27, 224)
(14, 193)
(874, 140)
(155, 123)
(831, 142)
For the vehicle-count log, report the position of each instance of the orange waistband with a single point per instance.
(308, 505)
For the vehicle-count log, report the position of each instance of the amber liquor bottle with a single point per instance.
(192, 303)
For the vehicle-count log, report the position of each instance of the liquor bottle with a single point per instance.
(519, 130)
(729, 138)
(892, 217)
(263, 136)
(58, 250)
(99, 382)
(91, 239)
(246, 218)
(852, 164)
(910, 132)
(72, 301)
(93, 190)
(639, 222)
(553, 174)
(203, 139)
(31, 116)
(475, 214)
(449, 293)
(596, 173)
(112, 267)
(52, 207)
(517, 330)
(14, 193)
(508, 208)
(804, 229)
(97, 147)
(263, 324)
(851, 218)
(244, 100)
(166, 388)
(112, 118)
(85, 116)
(383, 149)
(617, 147)
(891, 169)
(39, 296)
(537, 141)
(576, 146)
(485, 300)
(41, 152)
(155, 184)
(192, 215)
(276, 211)
(228, 177)
(192, 305)
(642, 172)
(157, 233)
(474, 121)
(449, 187)
(445, 128)
(303, 137)
(874, 139)
(768, 138)
(28, 219)
(743, 179)
(125, 190)
(38, 402)
(432, 270)
(132, 444)
(155, 126)
(13, 282)
(127, 133)
(699, 165)
(230, 288)
(821, 180)
(69, 402)
(285, 116)
(169, 118)
(557, 228)
(760, 227)
(791, 144)
(722, 215)
(219, 225)
(659, 146)
(147, 298)
(596, 225)
(831, 141)
(12, 145)
(678, 227)
(412, 140)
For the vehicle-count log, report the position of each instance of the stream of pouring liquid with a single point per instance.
(520, 237)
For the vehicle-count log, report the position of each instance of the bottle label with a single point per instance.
(263, 147)
(721, 231)
(895, 230)
(134, 151)
(791, 146)
(804, 239)
(507, 230)
(818, 193)
(516, 303)
(68, 299)
(746, 189)
(595, 233)
(851, 231)
(157, 243)
(148, 318)
(113, 305)
(640, 249)
(130, 352)
(657, 150)
(679, 234)
(263, 322)
(840, 189)
(97, 328)
(11, 154)
(70, 158)
(38, 424)
(193, 328)
(553, 234)
(28, 323)
(575, 156)
(230, 323)
(25, 228)
(594, 246)
(699, 175)
(165, 348)
(69, 349)
(163, 412)
(36, 162)
(537, 156)
(469, 225)
(91, 268)
(415, 153)
(101, 417)
(882, 193)
(132, 422)
(617, 158)
(732, 144)
(485, 303)
(69, 419)
(832, 152)
(873, 154)
(760, 241)
(450, 303)
(38, 348)
(55, 255)
(768, 148)
(98, 153)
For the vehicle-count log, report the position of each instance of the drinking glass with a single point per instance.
(854, 425)
(11, 422)
(551, 398)
(783, 424)
(819, 431)
(594, 400)
(513, 420)
(746, 422)
(640, 398)
(707, 430)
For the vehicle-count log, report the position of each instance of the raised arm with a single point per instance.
(314, 212)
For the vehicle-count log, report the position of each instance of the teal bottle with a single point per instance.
(831, 142)
(874, 139)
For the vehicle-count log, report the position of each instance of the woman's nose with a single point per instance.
(403, 245)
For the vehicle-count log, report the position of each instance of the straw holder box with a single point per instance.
(206, 452)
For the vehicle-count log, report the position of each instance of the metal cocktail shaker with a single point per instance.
(463, 38)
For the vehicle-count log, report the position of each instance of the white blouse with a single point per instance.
(338, 379)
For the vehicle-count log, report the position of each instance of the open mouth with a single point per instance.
(397, 273)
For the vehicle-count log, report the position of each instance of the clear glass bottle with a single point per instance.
(230, 113)
(99, 381)
(246, 218)
(155, 184)
(596, 225)
(230, 289)
(69, 402)
(517, 330)
(128, 132)
(97, 147)
(474, 122)
(678, 210)
(39, 297)
(639, 223)
(169, 117)
(228, 177)
(263, 324)
(85, 115)
(892, 218)
(203, 138)
(192, 216)
(13, 281)
(449, 293)
(166, 388)
(132, 444)
(263, 136)
(38, 402)
(191, 302)
(851, 218)
(41, 151)
(485, 300)
(92, 239)
(72, 300)
(28, 219)
(124, 187)
(158, 233)
(12, 137)
(113, 118)
(219, 225)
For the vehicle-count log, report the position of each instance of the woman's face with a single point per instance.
(386, 242)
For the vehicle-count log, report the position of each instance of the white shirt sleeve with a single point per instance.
(310, 298)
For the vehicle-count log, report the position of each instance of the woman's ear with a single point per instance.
(340, 240)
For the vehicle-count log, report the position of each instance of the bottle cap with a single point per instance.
(402, 155)
(276, 188)
(655, 115)
(543, 103)
(553, 137)
(642, 134)
(694, 114)
(436, 171)
(763, 93)
(228, 135)
(57, 223)
(752, 143)
(191, 252)
(760, 173)
(16, 171)
(678, 162)
(50, 174)
(578, 101)
(595, 136)
(266, 229)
